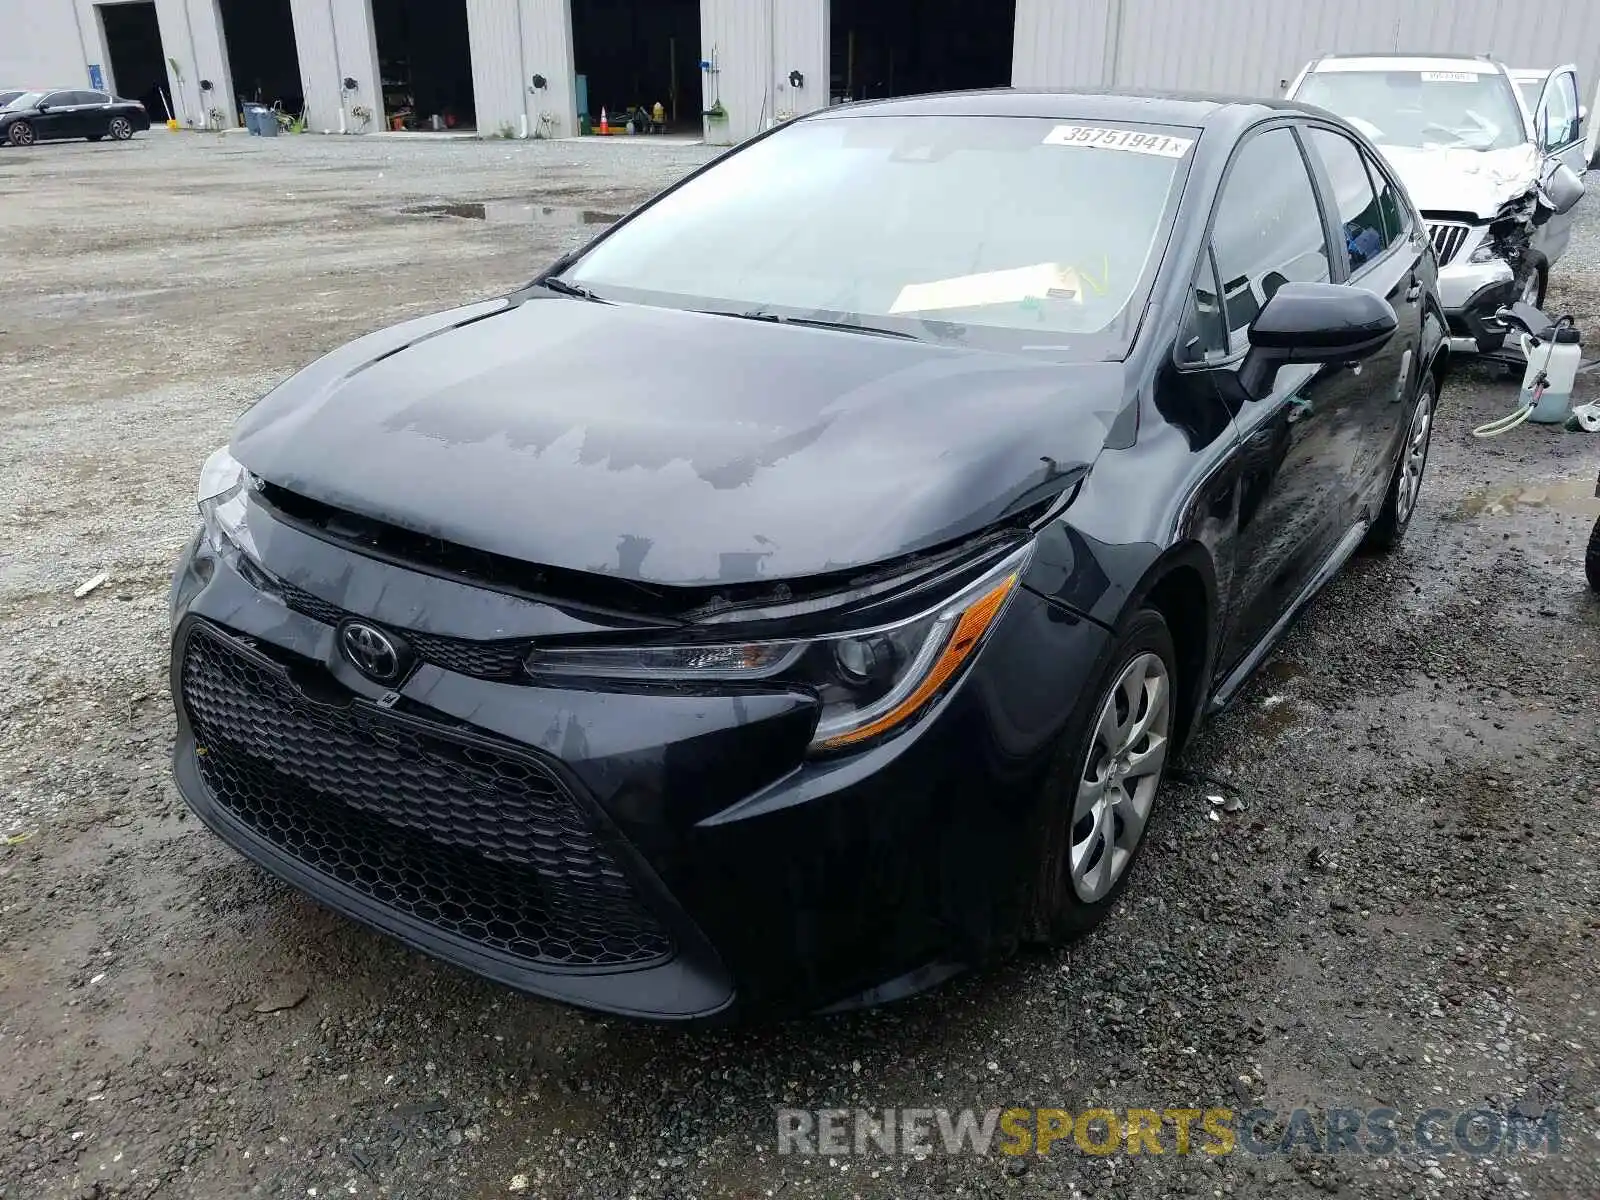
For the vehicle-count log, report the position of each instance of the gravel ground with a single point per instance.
(1402, 913)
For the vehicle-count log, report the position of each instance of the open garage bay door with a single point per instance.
(635, 54)
(261, 54)
(138, 67)
(907, 47)
(426, 60)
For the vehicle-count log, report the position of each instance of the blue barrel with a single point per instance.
(268, 120)
(256, 117)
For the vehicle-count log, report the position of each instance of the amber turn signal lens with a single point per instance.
(968, 632)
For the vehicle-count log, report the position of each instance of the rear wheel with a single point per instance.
(20, 134)
(1103, 788)
(1406, 484)
(121, 128)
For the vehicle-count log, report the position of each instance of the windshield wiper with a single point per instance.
(758, 314)
(562, 287)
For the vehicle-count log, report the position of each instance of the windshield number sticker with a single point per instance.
(1449, 77)
(1118, 139)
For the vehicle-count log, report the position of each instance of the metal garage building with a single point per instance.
(515, 67)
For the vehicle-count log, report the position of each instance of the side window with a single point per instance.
(1205, 333)
(58, 99)
(82, 98)
(1396, 213)
(1560, 112)
(1353, 196)
(96, 98)
(1268, 228)
(1568, 87)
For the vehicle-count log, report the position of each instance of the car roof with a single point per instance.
(1197, 110)
(1474, 64)
(1529, 74)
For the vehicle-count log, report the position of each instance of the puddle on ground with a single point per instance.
(1574, 496)
(515, 212)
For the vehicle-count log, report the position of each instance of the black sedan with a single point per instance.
(797, 594)
(55, 116)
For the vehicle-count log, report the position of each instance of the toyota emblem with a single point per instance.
(372, 651)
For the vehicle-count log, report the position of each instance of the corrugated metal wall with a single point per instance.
(512, 41)
(1062, 41)
(754, 44)
(335, 39)
(39, 46)
(1250, 46)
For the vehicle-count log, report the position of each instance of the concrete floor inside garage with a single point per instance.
(1402, 913)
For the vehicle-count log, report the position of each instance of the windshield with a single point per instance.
(26, 100)
(1422, 109)
(1005, 232)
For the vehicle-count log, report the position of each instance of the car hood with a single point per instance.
(676, 447)
(1464, 181)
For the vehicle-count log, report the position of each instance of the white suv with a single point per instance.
(1461, 137)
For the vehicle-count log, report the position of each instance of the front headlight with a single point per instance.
(224, 488)
(869, 681)
(1486, 251)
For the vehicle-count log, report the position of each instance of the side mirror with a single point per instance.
(1313, 323)
(1561, 189)
(44, 106)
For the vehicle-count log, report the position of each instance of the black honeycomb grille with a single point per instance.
(485, 846)
(499, 660)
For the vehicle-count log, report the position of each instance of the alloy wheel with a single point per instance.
(1117, 789)
(1414, 458)
(21, 134)
(121, 129)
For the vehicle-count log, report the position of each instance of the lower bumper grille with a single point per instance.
(487, 846)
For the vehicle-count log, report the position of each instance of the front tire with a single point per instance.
(20, 134)
(1103, 786)
(1591, 560)
(1405, 486)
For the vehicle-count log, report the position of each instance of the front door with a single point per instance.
(1293, 470)
(57, 117)
(1558, 126)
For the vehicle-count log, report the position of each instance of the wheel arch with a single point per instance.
(1182, 586)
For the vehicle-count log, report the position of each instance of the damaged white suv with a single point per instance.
(1496, 193)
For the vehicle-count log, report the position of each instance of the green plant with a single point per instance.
(507, 130)
(298, 125)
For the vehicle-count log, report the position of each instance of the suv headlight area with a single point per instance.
(869, 681)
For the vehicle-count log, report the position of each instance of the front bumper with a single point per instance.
(679, 858)
(1471, 294)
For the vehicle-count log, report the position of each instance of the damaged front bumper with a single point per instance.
(1471, 294)
(660, 852)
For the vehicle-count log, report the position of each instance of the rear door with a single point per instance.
(1558, 126)
(94, 113)
(1382, 252)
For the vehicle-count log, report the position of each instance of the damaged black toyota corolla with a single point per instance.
(795, 595)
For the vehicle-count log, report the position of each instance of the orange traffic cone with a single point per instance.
(604, 128)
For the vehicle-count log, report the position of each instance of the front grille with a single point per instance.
(1447, 238)
(500, 659)
(487, 846)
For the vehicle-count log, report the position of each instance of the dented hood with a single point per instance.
(1464, 181)
(676, 447)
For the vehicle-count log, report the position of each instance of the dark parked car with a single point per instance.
(796, 595)
(10, 94)
(52, 116)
